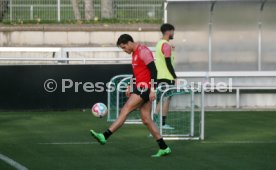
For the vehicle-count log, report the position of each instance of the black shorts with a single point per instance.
(142, 92)
(164, 83)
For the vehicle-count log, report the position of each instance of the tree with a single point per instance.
(76, 10)
(107, 9)
(4, 6)
(88, 8)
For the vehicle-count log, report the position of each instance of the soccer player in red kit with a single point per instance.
(139, 95)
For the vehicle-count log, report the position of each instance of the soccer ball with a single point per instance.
(99, 110)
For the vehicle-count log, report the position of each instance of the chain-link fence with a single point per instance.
(70, 10)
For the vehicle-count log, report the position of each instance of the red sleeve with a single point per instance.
(166, 50)
(146, 55)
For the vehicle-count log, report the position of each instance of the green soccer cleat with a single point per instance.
(98, 136)
(162, 152)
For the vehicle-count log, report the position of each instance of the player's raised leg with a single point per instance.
(132, 103)
(146, 118)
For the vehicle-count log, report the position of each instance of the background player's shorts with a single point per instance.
(142, 92)
(164, 83)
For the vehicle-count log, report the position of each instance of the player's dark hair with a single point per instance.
(166, 27)
(124, 39)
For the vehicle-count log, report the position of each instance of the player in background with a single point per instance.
(165, 71)
(143, 93)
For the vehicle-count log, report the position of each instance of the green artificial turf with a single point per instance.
(61, 140)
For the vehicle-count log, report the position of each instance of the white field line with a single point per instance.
(12, 162)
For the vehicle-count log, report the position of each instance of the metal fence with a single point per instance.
(59, 55)
(62, 10)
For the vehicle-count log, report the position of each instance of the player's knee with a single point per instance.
(146, 120)
(125, 110)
